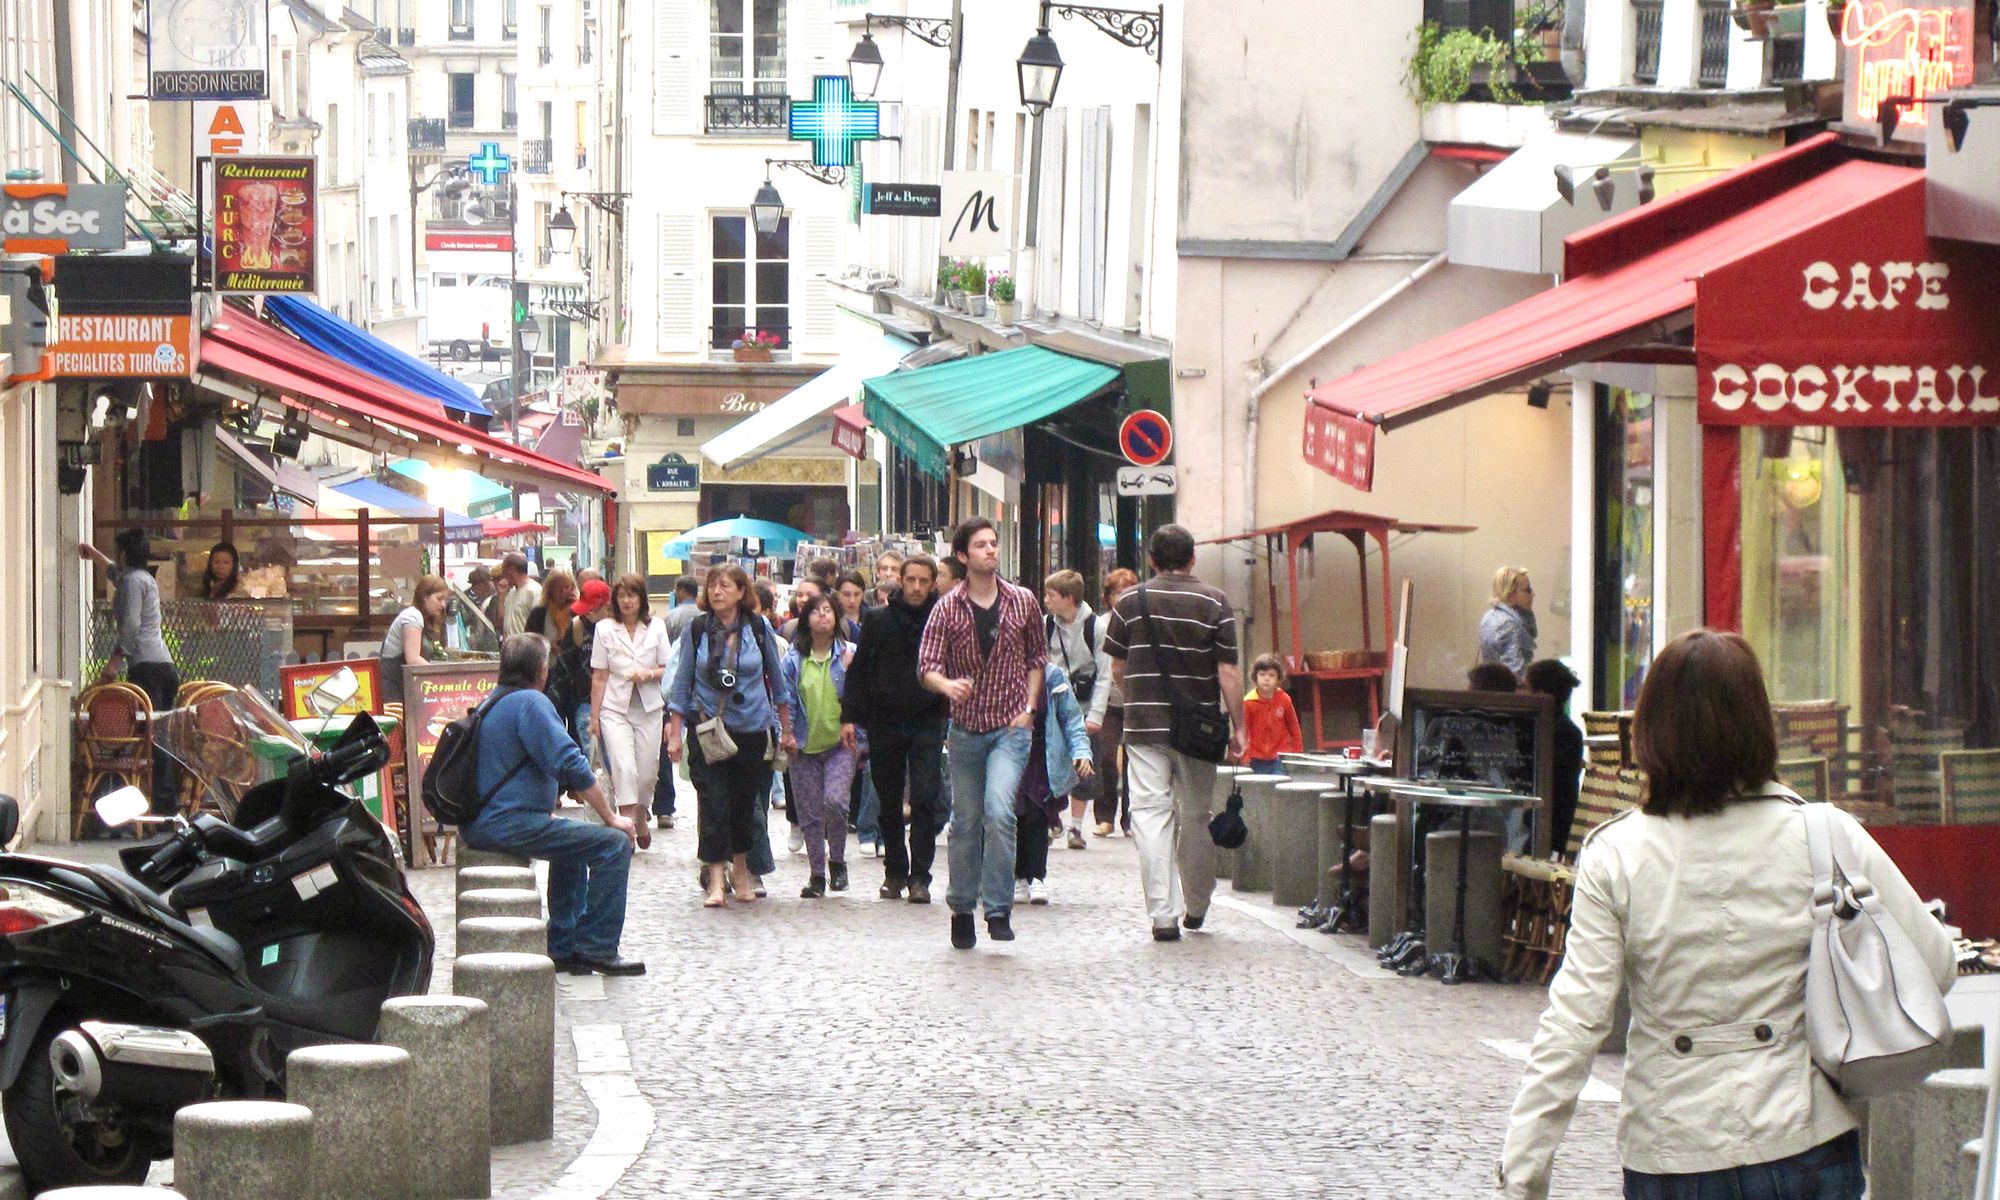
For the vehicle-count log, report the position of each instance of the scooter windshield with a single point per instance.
(232, 736)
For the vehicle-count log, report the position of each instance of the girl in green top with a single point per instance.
(823, 764)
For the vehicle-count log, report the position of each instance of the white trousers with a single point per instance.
(632, 749)
(1171, 797)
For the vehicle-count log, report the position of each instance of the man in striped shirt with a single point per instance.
(984, 651)
(1173, 640)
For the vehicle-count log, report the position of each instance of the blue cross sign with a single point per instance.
(833, 120)
(489, 164)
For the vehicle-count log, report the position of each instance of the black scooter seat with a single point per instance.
(208, 937)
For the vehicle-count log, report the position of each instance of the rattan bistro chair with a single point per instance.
(113, 742)
(1970, 786)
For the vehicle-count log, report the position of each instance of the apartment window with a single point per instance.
(510, 113)
(752, 28)
(395, 261)
(751, 275)
(510, 18)
(582, 134)
(461, 20)
(461, 98)
(373, 115)
(1714, 69)
(333, 172)
(542, 252)
(1648, 20)
(545, 34)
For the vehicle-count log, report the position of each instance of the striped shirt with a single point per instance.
(1196, 632)
(950, 646)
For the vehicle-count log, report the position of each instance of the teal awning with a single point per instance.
(926, 412)
(473, 495)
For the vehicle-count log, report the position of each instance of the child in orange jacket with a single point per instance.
(1273, 722)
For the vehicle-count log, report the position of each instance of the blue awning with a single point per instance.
(384, 499)
(358, 348)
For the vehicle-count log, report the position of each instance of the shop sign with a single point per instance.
(264, 225)
(56, 218)
(903, 200)
(1903, 48)
(1861, 320)
(849, 437)
(1340, 445)
(833, 120)
(977, 208)
(298, 681)
(125, 317)
(673, 473)
(226, 127)
(466, 239)
(207, 50)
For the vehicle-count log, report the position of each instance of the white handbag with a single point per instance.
(1875, 1019)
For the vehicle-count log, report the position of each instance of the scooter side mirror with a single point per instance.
(121, 807)
(10, 819)
(334, 691)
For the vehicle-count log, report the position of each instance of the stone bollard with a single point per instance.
(503, 935)
(447, 1040)
(363, 1143)
(1968, 1046)
(499, 902)
(1483, 924)
(1225, 777)
(1332, 809)
(111, 1192)
(1949, 1110)
(471, 878)
(1385, 856)
(469, 858)
(1891, 1145)
(520, 995)
(1292, 822)
(1253, 861)
(243, 1150)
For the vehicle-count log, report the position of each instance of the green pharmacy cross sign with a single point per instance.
(489, 164)
(833, 120)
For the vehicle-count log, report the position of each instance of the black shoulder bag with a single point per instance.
(1197, 729)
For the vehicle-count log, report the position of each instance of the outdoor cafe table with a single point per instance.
(1408, 953)
(1345, 910)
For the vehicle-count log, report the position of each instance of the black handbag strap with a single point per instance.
(1167, 684)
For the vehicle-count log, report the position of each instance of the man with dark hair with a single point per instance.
(687, 590)
(1552, 678)
(1173, 644)
(905, 727)
(983, 650)
(525, 758)
(825, 572)
(486, 594)
(951, 573)
(1491, 677)
(519, 596)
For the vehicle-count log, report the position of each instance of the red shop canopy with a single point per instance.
(1632, 286)
(348, 404)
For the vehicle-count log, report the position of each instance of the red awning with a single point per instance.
(499, 527)
(1632, 284)
(337, 395)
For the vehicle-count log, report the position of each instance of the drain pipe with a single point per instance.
(1278, 375)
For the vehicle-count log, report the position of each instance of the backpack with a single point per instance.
(451, 782)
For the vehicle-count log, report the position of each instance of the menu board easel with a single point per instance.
(435, 695)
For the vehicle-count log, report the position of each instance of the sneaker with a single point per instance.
(1076, 841)
(664, 821)
(1167, 933)
(1020, 891)
(964, 935)
(814, 889)
(1104, 829)
(999, 929)
(836, 876)
(920, 891)
(1038, 891)
(875, 848)
(796, 842)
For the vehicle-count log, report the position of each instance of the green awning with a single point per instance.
(927, 411)
(458, 490)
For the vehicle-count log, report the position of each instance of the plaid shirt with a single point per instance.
(950, 646)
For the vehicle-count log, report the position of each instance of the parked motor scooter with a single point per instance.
(218, 950)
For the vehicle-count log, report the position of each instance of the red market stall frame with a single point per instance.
(1291, 538)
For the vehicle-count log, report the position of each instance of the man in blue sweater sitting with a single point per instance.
(525, 758)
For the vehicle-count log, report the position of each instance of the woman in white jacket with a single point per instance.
(1698, 905)
(628, 707)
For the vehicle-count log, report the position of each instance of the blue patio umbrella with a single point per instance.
(779, 540)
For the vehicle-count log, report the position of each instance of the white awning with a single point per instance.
(808, 408)
(1513, 218)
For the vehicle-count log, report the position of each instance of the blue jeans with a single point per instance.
(588, 864)
(579, 728)
(1828, 1171)
(1268, 766)
(986, 770)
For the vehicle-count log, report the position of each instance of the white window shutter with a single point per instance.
(812, 308)
(1094, 171)
(678, 330)
(809, 32)
(673, 67)
(1049, 254)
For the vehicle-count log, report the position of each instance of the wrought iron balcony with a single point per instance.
(748, 114)
(535, 156)
(1646, 27)
(544, 55)
(427, 135)
(1714, 71)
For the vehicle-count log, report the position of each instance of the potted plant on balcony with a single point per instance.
(1756, 16)
(1538, 31)
(972, 277)
(754, 346)
(1447, 63)
(1004, 306)
(1836, 16)
(947, 283)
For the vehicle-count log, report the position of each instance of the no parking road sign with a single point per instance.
(1146, 437)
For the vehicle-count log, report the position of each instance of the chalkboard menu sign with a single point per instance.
(1502, 740)
(435, 695)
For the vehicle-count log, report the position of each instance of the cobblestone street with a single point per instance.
(795, 1048)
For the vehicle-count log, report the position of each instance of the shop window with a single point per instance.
(750, 277)
(1624, 545)
(752, 28)
(1799, 597)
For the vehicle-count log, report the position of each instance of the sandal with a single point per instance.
(745, 888)
(716, 897)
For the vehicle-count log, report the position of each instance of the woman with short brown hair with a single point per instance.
(1699, 905)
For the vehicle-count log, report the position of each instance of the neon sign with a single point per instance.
(1896, 48)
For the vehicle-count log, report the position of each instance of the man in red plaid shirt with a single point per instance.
(983, 650)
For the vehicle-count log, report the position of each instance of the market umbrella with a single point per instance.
(779, 540)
